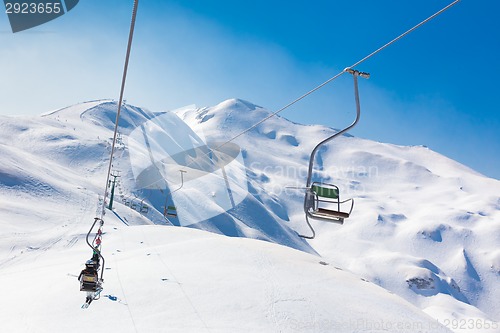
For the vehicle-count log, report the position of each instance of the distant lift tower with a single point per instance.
(112, 183)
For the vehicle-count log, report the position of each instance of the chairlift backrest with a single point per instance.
(326, 192)
(91, 278)
(171, 211)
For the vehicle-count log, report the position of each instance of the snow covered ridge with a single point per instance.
(424, 227)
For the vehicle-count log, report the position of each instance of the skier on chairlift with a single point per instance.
(89, 280)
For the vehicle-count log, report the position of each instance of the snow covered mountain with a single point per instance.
(424, 227)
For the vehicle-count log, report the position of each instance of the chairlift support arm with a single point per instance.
(355, 74)
(182, 181)
(94, 248)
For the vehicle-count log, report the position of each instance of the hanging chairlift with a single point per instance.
(144, 209)
(322, 200)
(171, 210)
(90, 281)
(126, 200)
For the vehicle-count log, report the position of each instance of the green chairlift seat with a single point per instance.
(325, 203)
(171, 211)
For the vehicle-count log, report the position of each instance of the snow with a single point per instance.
(188, 280)
(421, 247)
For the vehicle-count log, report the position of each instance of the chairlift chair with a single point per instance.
(171, 211)
(92, 285)
(322, 200)
(90, 281)
(323, 203)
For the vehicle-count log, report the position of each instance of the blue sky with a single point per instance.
(436, 87)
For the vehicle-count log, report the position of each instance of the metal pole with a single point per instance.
(122, 89)
(110, 207)
(355, 75)
(96, 250)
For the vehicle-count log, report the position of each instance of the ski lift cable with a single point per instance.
(339, 74)
(331, 79)
(124, 77)
(211, 150)
(406, 33)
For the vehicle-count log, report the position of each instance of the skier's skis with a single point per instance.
(91, 297)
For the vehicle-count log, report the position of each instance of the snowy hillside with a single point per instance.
(424, 227)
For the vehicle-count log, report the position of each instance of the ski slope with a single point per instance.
(421, 246)
(186, 280)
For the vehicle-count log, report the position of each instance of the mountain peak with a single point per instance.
(236, 103)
